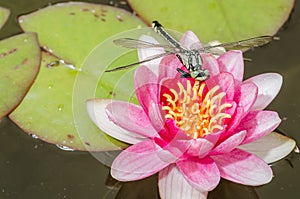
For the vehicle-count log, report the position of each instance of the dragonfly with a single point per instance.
(190, 58)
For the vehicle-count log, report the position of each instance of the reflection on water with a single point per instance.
(31, 168)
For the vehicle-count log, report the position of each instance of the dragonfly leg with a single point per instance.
(183, 74)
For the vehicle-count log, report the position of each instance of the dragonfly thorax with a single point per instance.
(193, 62)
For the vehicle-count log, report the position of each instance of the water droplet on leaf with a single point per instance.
(60, 107)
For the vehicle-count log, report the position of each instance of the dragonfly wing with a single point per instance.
(150, 58)
(242, 45)
(135, 43)
(216, 51)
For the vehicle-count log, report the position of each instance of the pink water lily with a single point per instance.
(194, 133)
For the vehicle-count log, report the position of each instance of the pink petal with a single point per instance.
(226, 83)
(231, 110)
(97, 111)
(236, 118)
(259, 124)
(189, 39)
(143, 54)
(146, 87)
(244, 168)
(130, 117)
(232, 62)
(268, 85)
(202, 146)
(271, 147)
(202, 174)
(229, 144)
(168, 66)
(235, 121)
(173, 140)
(155, 116)
(172, 185)
(137, 162)
(246, 95)
(211, 64)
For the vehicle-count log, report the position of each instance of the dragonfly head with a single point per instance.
(200, 75)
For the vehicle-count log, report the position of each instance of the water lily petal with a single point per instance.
(258, 124)
(237, 117)
(144, 53)
(232, 62)
(97, 111)
(173, 140)
(229, 144)
(202, 174)
(235, 121)
(146, 87)
(202, 146)
(268, 85)
(130, 117)
(271, 148)
(244, 168)
(210, 63)
(246, 95)
(168, 66)
(137, 162)
(172, 185)
(226, 83)
(155, 116)
(189, 40)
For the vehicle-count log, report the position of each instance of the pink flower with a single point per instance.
(193, 133)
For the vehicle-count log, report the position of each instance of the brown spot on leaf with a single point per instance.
(3, 54)
(12, 50)
(87, 143)
(25, 61)
(103, 10)
(70, 136)
(102, 19)
(96, 15)
(112, 93)
(85, 9)
(22, 63)
(72, 13)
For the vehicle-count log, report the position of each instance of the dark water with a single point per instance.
(30, 168)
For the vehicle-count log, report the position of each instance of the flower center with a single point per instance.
(197, 110)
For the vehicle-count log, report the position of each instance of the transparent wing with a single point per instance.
(135, 43)
(242, 45)
(136, 63)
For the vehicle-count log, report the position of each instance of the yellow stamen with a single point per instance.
(196, 110)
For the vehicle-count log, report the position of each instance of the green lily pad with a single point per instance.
(46, 110)
(4, 14)
(19, 64)
(225, 21)
(71, 31)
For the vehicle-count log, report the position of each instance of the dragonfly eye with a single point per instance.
(200, 75)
